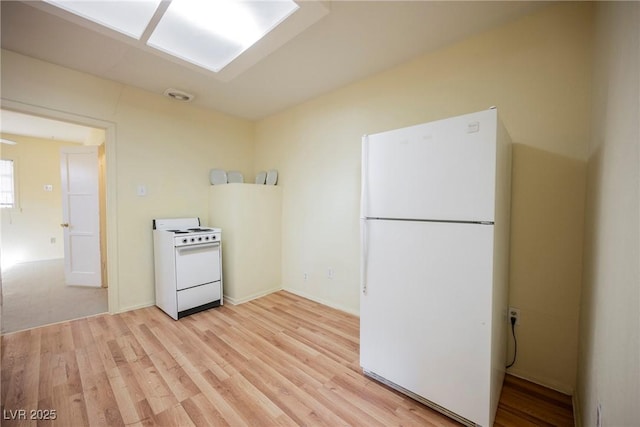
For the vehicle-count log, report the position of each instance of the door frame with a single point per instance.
(110, 178)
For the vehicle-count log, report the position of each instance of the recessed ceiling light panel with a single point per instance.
(127, 17)
(207, 33)
(211, 34)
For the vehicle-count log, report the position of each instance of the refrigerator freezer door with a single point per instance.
(443, 170)
(425, 319)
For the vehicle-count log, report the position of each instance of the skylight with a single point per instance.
(213, 33)
(130, 18)
(207, 33)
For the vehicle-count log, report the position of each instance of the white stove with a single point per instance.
(188, 266)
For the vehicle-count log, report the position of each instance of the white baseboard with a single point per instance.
(323, 301)
(236, 301)
(134, 307)
(577, 414)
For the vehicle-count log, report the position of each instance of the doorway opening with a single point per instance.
(40, 269)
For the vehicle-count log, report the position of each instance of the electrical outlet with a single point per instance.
(306, 276)
(330, 273)
(514, 312)
(53, 240)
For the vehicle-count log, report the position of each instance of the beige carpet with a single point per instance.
(34, 294)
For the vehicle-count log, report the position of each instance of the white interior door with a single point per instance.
(81, 215)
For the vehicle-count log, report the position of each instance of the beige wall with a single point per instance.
(27, 231)
(537, 72)
(157, 142)
(170, 148)
(609, 365)
(250, 216)
(546, 263)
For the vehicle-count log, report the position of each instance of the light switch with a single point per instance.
(142, 190)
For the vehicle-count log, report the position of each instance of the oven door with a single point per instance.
(197, 265)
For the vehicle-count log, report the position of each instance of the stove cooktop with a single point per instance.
(192, 230)
(182, 226)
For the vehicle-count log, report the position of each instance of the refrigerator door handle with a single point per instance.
(364, 176)
(364, 257)
(363, 213)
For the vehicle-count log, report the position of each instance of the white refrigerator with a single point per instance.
(435, 251)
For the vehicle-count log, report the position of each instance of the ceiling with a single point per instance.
(349, 41)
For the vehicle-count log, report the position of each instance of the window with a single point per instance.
(7, 184)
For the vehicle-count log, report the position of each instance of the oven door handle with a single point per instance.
(197, 247)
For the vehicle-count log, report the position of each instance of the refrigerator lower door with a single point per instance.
(425, 316)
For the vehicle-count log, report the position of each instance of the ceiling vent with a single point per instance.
(178, 95)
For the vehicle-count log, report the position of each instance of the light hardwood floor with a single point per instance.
(279, 360)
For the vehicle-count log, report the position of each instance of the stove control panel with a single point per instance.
(196, 239)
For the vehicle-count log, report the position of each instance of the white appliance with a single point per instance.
(188, 266)
(435, 247)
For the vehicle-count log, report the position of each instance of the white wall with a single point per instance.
(609, 365)
(537, 71)
(165, 145)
